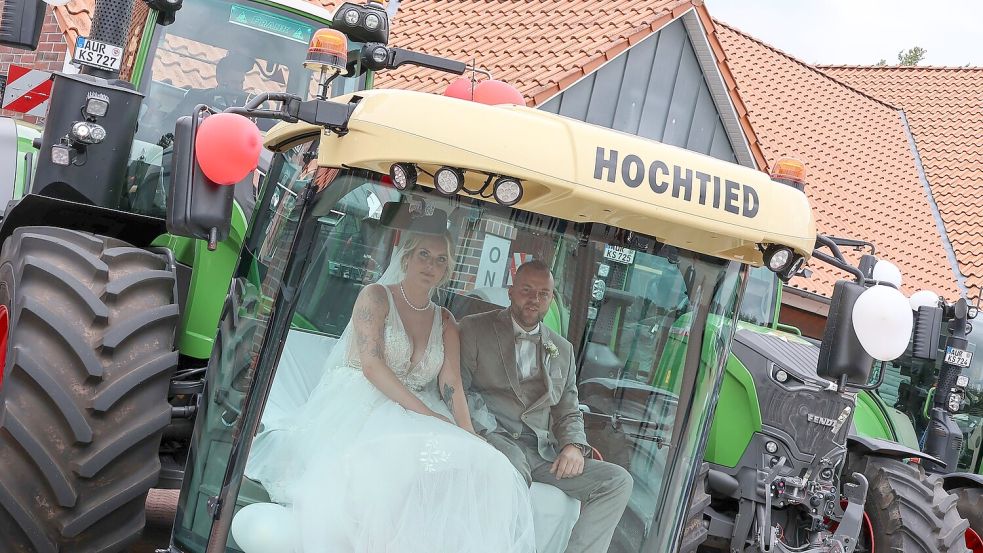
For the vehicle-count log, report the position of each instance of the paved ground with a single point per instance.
(161, 505)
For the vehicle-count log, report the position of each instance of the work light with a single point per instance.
(351, 16)
(448, 180)
(403, 175)
(778, 258)
(62, 154)
(96, 106)
(508, 191)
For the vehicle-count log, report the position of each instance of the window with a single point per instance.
(219, 53)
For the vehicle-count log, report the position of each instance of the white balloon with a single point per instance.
(922, 298)
(264, 527)
(885, 271)
(883, 321)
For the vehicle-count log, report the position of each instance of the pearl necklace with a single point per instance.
(407, 300)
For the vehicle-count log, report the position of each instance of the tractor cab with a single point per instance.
(222, 54)
(649, 246)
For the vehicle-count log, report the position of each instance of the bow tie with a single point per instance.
(527, 336)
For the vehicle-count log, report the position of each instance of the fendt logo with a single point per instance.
(820, 420)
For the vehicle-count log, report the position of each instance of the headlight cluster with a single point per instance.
(363, 23)
(450, 180)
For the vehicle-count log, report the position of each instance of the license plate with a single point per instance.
(97, 54)
(958, 357)
(619, 255)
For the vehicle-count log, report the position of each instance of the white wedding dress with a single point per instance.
(361, 474)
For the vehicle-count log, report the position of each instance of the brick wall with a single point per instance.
(49, 56)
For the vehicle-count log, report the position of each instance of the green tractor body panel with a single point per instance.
(870, 419)
(26, 133)
(209, 284)
(737, 416)
(876, 419)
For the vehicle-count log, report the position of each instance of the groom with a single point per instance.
(526, 375)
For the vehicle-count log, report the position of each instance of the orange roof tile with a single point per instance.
(541, 47)
(535, 46)
(944, 108)
(75, 18)
(862, 180)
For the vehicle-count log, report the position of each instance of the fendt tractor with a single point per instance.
(784, 443)
(107, 315)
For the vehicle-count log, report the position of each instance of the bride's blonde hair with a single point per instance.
(412, 240)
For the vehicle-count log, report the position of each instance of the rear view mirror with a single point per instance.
(196, 206)
(20, 23)
(928, 328)
(415, 216)
(841, 355)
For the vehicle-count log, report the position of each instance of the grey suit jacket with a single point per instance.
(489, 371)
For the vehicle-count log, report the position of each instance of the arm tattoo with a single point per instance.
(449, 396)
(363, 315)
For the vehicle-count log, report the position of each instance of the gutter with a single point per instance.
(950, 254)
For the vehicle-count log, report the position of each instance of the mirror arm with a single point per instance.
(324, 113)
(865, 387)
(401, 56)
(852, 243)
(839, 264)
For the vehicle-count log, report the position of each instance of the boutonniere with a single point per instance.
(551, 350)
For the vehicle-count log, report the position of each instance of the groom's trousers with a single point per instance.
(603, 490)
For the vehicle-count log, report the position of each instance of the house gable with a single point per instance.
(656, 89)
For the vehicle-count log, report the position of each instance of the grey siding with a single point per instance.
(655, 89)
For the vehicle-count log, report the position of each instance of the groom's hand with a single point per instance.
(569, 463)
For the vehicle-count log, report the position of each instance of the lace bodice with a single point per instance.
(399, 350)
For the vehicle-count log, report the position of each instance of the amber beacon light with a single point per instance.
(328, 52)
(789, 171)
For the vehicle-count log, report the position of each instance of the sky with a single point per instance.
(861, 32)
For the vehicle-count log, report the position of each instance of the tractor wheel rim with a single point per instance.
(4, 328)
(973, 541)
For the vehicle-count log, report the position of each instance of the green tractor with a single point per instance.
(787, 444)
(108, 308)
(357, 173)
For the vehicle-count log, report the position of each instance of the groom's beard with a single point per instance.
(527, 318)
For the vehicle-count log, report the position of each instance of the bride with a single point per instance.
(382, 458)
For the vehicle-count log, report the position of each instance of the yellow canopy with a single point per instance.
(572, 170)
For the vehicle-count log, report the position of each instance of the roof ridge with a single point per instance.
(812, 68)
(902, 67)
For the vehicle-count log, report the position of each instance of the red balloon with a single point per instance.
(460, 88)
(494, 93)
(227, 147)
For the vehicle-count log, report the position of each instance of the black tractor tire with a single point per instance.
(695, 530)
(971, 507)
(909, 511)
(83, 401)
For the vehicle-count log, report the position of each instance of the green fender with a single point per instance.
(876, 419)
(209, 285)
